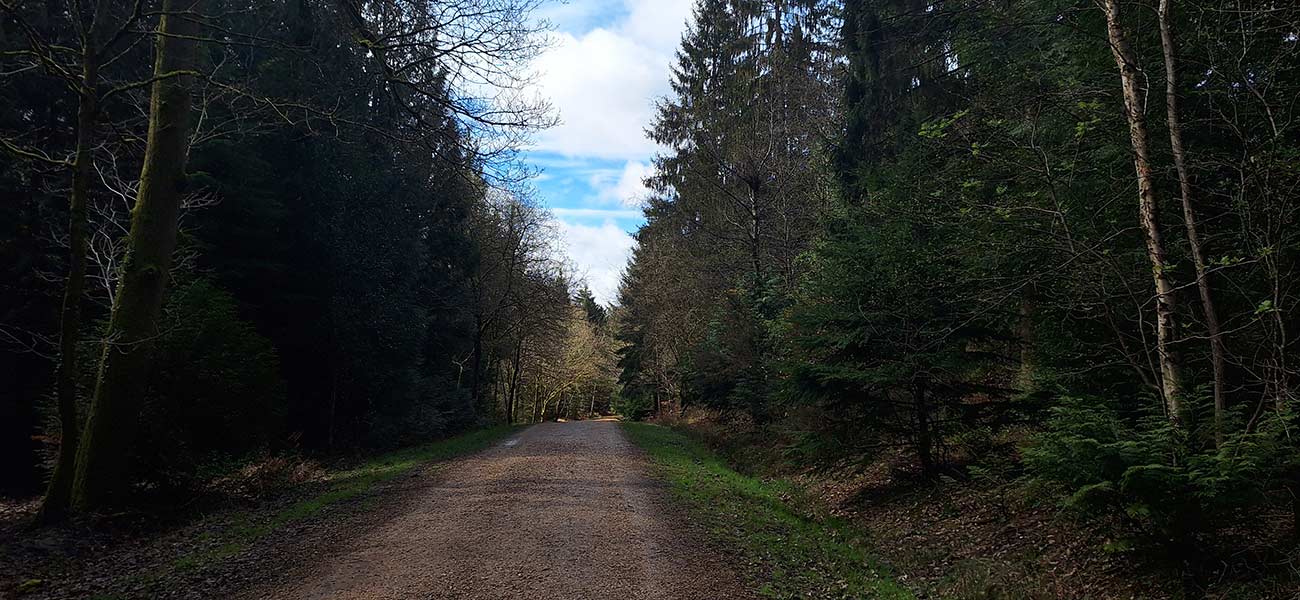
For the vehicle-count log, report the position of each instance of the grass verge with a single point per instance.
(788, 549)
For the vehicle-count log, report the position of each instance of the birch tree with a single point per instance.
(1166, 304)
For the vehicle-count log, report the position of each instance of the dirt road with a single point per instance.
(559, 511)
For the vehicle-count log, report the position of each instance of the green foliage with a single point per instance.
(596, 314)
(1140, 467)
(216, 388)
(633, 406)
(733, 365)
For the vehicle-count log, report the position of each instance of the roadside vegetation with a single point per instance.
(786, 546)
(326, 259)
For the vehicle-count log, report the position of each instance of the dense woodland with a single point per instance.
(1048, 243)
(288, 226)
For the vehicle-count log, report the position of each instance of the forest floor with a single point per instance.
(557, 510)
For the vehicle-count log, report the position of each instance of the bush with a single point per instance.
(1163, 481)
(633, 405)
(215, 392)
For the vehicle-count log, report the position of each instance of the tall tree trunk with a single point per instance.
(476, 365)
(539, 410)
(924, 442)
(1189, 217)
(102, 460)
(58, 495)
(1148, 212)
(512, 394)
(755, 248)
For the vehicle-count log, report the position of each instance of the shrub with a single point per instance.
(216, 389)
(634, 405)
(1164, 481)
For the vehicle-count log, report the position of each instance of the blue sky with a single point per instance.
(609, 62)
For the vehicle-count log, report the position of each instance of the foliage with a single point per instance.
(1139, 466)
(215, 391)
(634, 406)
(954, 252)
(332, 216)
(736, 198)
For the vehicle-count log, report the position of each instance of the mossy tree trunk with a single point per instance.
(103, 458)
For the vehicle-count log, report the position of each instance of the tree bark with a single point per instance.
(1189, 217)
(513, 393)
(476, 365)
(924, 442)
(58, 495)
(103, 459)
(1148, 212)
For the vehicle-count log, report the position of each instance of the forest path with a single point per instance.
(560, 510)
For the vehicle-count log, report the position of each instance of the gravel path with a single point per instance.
(561, 510)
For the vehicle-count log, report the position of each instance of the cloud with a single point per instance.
(604, 86)
(604, 80)
(599, 213)
(624, 188)
(599, 252)
(608, 64)
(657, 23)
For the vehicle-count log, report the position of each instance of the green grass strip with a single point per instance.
(788, 551)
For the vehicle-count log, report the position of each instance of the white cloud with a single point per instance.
(658, 23)
(599, 252)
(624, 188)
(598, 213)
(604, 81)
(609, 63)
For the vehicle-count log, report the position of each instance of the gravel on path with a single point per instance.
(558, 511)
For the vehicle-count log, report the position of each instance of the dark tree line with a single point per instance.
(270, 225)
(941, 225)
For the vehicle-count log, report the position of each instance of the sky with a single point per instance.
(608, 63)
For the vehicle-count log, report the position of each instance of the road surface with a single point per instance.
(558, 511)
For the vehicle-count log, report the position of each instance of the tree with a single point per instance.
(133, 327)
(99, 33)
(595, 313)
(737, 196)
(1167, 332)
(1174, 121)
(402, 98)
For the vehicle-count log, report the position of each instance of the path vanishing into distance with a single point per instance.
(559, 510)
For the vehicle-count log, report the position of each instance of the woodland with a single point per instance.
(1041, 248)
(239, 227)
